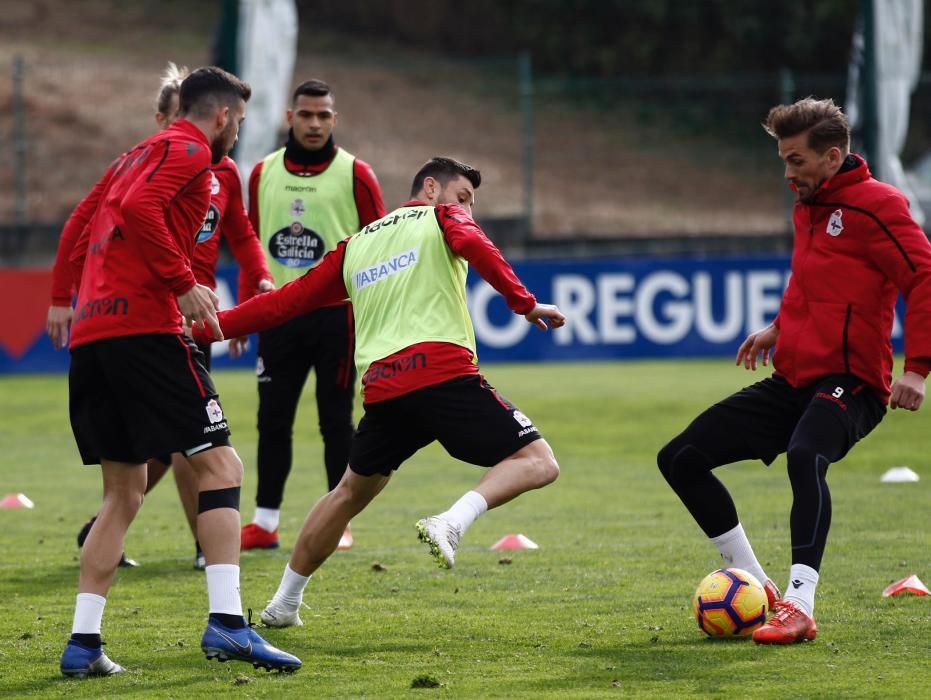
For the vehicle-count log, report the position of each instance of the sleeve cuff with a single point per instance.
(186, 285)
(918, 365)
(526, 306)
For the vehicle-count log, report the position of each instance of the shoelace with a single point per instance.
(784, 613)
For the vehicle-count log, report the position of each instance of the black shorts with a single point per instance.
(758, 421)
(140, 396)
(472, 421)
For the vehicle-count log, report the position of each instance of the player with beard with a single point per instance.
(856, 247)
(138, 386)
(405, 275)
(226, 216)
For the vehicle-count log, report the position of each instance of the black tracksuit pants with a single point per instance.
(815, 425)
(325, 341)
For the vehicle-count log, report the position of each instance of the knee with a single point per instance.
(665, 458)
(544, 468)
(219, 467)
(804, 462)
(127, 501)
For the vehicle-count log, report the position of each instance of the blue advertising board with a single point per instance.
(615, 308)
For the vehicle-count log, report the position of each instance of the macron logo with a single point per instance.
(381, 271)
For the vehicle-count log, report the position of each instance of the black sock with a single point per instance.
(197, 547)
(88, 640)
(234, 622)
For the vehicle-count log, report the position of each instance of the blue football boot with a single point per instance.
(79, 661)
(244, 644)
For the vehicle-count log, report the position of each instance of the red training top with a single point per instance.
(323, 285)
(856, 246)
(134, 257)
(226, 215)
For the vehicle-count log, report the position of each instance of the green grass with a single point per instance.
(602, 609)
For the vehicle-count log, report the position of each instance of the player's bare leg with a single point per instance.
(328, 518)
(123, 489)
(319, 537)
(186, 482)
(218, 469)
(227, 636)
(531, 467)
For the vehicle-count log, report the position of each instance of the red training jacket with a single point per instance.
(134, 257)
(856, 246)
(226, 215)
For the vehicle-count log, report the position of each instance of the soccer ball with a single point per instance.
(730, 603)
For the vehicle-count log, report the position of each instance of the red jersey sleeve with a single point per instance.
(904, 256)
(467, 240)
(320, 286)
(244, 243)
(63, 282)
(143, 208)
(254, 196)
(367, 192)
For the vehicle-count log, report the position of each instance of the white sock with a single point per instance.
(223, 589)
(464, 511)
(291, 589)
(803, 580)
(88, 612)
(267, 518)
(736, 552)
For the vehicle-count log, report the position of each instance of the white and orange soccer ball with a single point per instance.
(730, 603)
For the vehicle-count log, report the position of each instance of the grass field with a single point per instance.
(602, 609)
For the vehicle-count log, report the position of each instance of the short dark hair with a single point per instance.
(824, 121)
(207, 88)
(443, 170)
(311, 88)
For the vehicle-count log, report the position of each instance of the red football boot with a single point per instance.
(789, 625)
(773, 595)
(256, 537)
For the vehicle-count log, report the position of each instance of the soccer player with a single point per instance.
(405, 275)
(303, 200)
(227, 214)
(856, 246)
(138, 386)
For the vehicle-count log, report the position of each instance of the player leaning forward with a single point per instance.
(856, 246)
(137, 385)
(415, 349)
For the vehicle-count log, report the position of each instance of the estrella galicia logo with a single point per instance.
(209, 226)
(296, 246)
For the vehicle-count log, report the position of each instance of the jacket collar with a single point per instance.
(189, 129)
(853, 170)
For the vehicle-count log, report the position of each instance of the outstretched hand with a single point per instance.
(757, 344)
(545, 316)
(199, 308)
